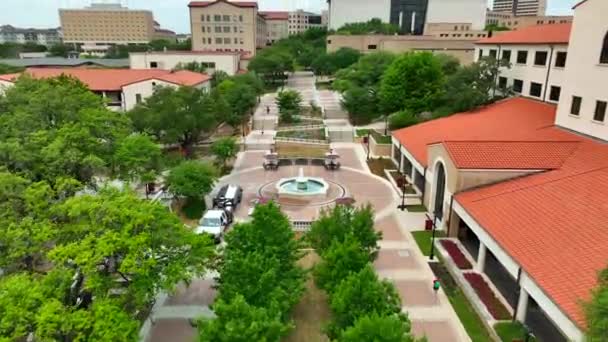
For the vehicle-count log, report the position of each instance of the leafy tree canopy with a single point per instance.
(339, 261)
(224, 149)
(390, 328)
(374, 26)
(138, 158)
(192, 179)
(596, 310)
(289, 103)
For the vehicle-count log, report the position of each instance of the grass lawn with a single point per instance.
(470, 320)
(312, 313)
(508, 331)
(315, 134)
(296, 150)
(416, 208)
(423, 239)
(379, 137)
(377, 166)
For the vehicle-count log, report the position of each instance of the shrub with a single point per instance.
(402, 119)
(456, 254)
(487, 296)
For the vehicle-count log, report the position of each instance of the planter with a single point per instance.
(487, 296)
(456, 254)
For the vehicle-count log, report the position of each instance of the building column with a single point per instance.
(522, 305)
(481, 258)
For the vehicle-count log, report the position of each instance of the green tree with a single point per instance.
(238, 321)
(344, 57)
(449, 64)
(361, 294)
(138, 158)
(414, 81)
(342, 222)
(272, 64)
(339, 261)
(289, 103)
(191, 66)
(373, 26)
(367, 71)
(361, 103)
(390, 328)
(176, 115)
(9, 69)
(402, 119)
(192, 179)
(596, 310)
(322, 65)
(224, 149)
(252, 80)
(60, 50)
(218, 77)
(241, 99)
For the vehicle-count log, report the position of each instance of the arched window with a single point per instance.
(604, 54)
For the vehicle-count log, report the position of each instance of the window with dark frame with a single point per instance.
(518, 86)
(480, 53)
(153, 65)
(522, 57)
(493, 53)
(506, 55)
(137, 98)
(536, 89)
(560, 59)
(575, 107)
(600, 111)
(604, 53)
(502, 83)
(372, 47)
(540, 58)
(555, 93)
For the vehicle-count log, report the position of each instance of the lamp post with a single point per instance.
(402, 205)
(368, 150)
(432, 253)
(386, 124)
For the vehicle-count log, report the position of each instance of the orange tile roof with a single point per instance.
(554, 223)
(275, 15)
(521, 155)
(515, 119)
(538, 34)
(234, 3)
(115, 79)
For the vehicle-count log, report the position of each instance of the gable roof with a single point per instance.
(245, 4)
(115, 79)
(538, 34)
(275, 15)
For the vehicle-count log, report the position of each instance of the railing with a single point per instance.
(301, 226)
(299, 128)
(304, 141)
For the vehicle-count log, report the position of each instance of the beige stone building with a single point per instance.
(462, 47)
(226, 26)
(521, 7)
(104, 24)
(513, 22)
(300, 21)
(276, 25)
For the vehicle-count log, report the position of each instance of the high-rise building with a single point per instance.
(521, 7)
(108, 24)
(221, 25)
(300, 21)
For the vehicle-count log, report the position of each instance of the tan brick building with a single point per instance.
(513, 22)
(276, 25)
(102, 24)
(226, 26)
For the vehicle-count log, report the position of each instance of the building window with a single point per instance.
(604, 53)
(480, 53)
(209, 41)
(226, 40)
(217, 17)
(153, 65)
(218, 40)
(240, 18)
(493, 53)
(226, 29)
(560, 59)
(226, 18)
(535, 89)
(540, 58)
(203, 17)
(203, 29)
(518, 86)
(502, 83)
(522, 57)
(372, 47)
(218, 29)
(575, 107)
(600, 111)
(506, 55)
(208, 17)
(137, 98)
(555, 92)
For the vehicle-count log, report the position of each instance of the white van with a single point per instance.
(214, 223)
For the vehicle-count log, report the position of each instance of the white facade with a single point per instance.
(227, 62)
(585, 76)
(549, 75)
(458, 11)
(342, 12)
(144, 89)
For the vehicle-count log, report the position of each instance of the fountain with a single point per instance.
(300, 186)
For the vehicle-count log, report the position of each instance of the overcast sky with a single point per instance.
(172, 14)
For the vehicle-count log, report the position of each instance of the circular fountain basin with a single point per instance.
(302, 187)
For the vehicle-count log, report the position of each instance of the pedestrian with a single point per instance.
(267, 110)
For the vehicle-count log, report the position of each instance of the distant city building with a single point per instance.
(183, 37)
(513, 22)
(300, 21)
(161, 33)
(47, 37)
(227, 26)
(521, 7)
(276, 25)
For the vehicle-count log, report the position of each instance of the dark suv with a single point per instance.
(229, 196)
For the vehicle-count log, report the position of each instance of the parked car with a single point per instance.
(229, 196)
(214, 223)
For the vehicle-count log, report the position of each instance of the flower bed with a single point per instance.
(487, 296)
(456, 254)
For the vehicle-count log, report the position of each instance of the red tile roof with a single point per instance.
(515, 119)
(554, 224)
(275, 15)
(234, 3)
(539, 34)
(115, 79)
(521, 155)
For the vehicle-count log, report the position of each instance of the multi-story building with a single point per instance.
(226, 61)
(521, 7)
(300, 21)
(107, 24)
(277, 24)
(47, 37)
(183, 37)
(226, 26)
(537, 56)
(519, 186)
(512, 22)
(122, 89)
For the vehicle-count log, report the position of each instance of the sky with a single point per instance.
(172, 14)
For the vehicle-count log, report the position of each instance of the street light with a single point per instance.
(432, 253)
(402, 206)
(368, 150)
